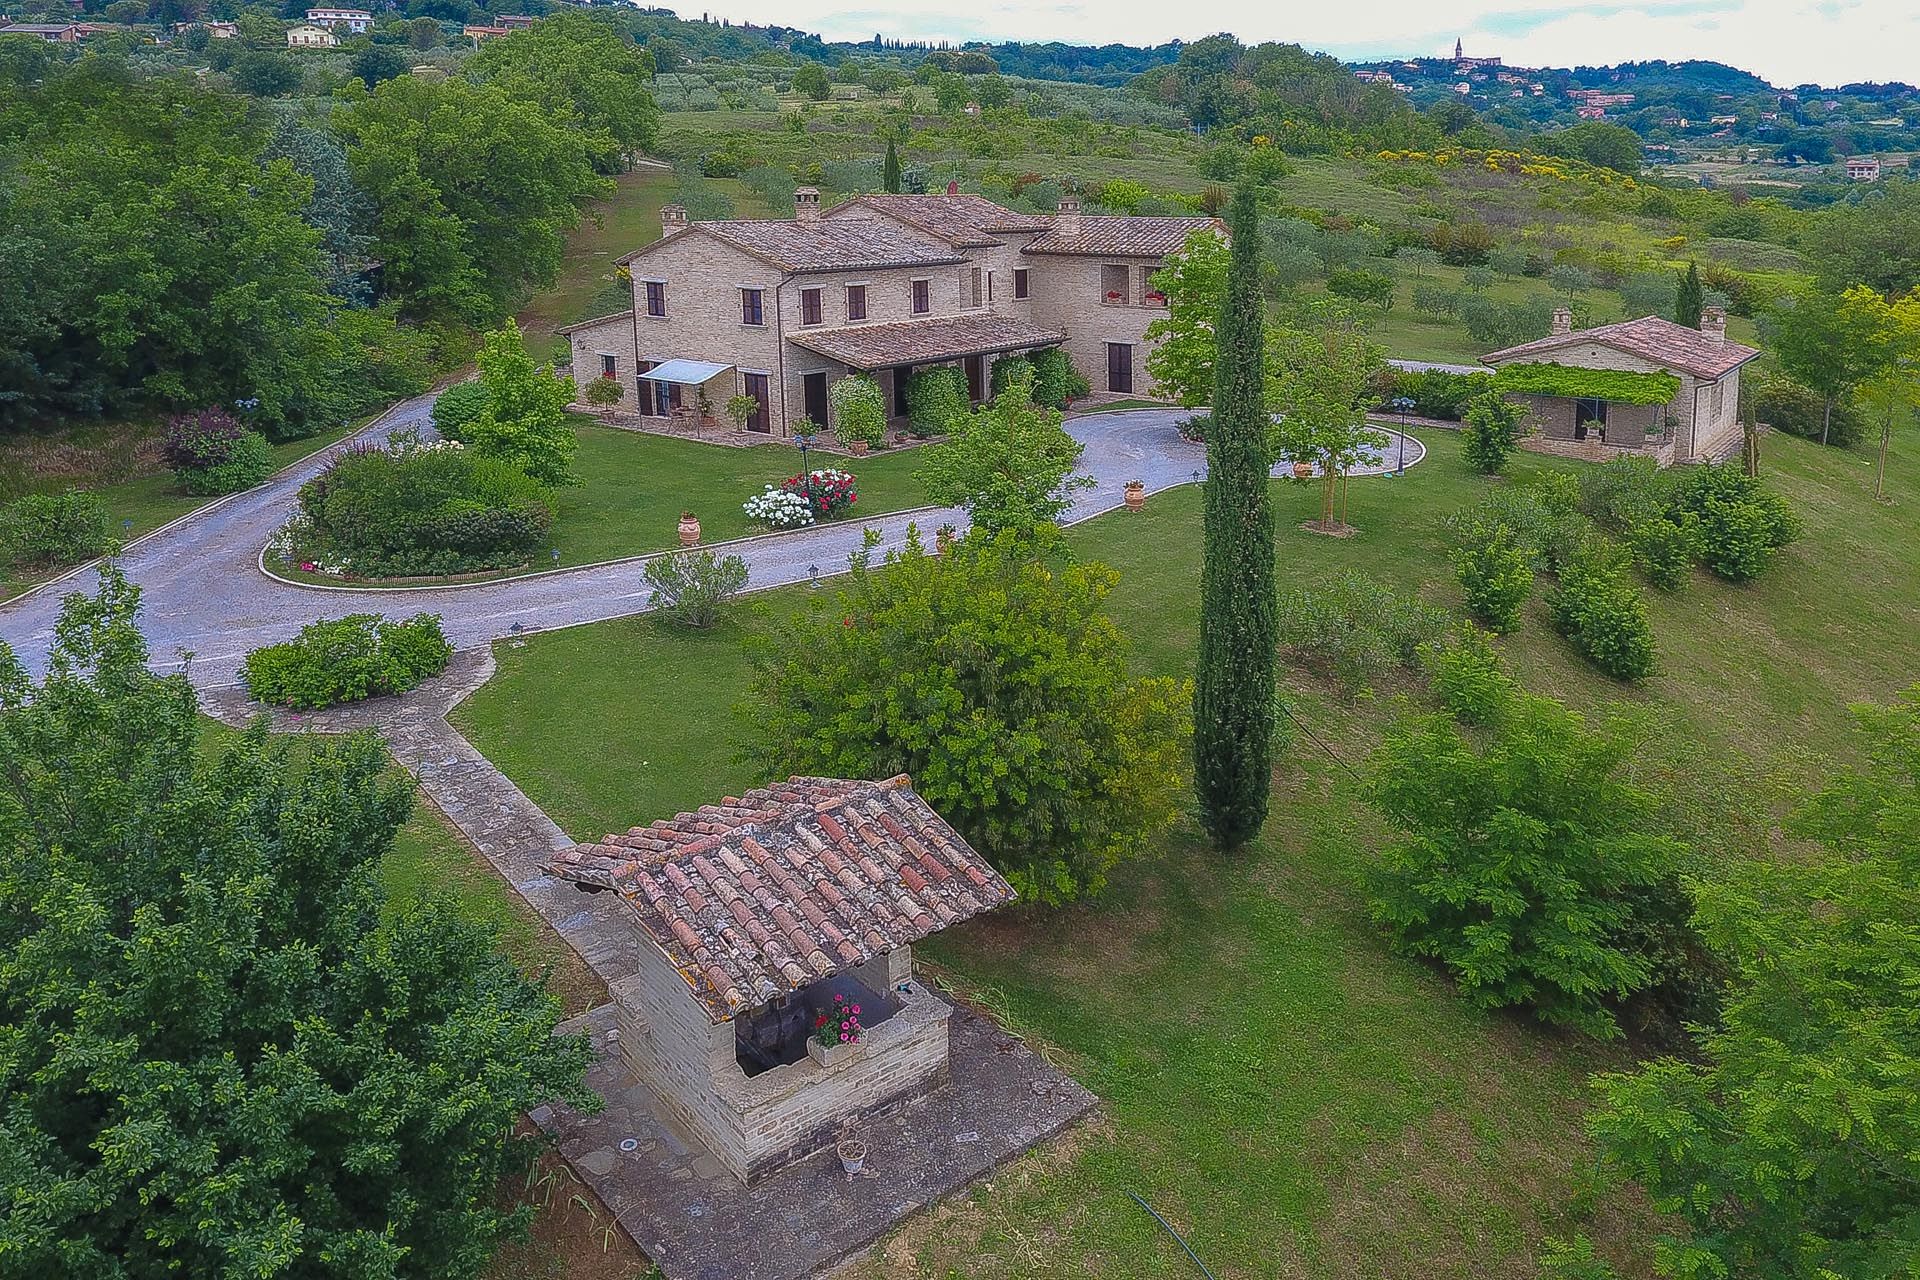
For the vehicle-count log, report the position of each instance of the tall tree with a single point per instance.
(1691, 299)
(1826, 345)
(1182, 343)
(580, 65)
(1891, 392)
(525, 421)
(1010, 465)
(1233, 691)
(1321, 372)
(225, 1053)
(890, 170)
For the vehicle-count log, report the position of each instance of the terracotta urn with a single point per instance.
(1135, 495)
(857, 448)
(1302, 470)
(689, 529)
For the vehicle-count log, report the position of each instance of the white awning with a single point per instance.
(690, 372)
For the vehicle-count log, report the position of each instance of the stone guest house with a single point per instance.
(879, 284)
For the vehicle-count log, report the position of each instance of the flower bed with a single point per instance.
(789, 506)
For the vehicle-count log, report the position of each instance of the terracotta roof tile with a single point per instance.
(1117, 236)
(965, 220)
(789, 884)
(823, 245)
(1672, 346)
(972, 333)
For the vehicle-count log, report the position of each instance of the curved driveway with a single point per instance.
(202, 591)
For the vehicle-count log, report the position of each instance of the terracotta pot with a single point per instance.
(857, 448)
(942, 542)
(1302, 470)
(852, 1153)
(689, 530)
(1135, 496)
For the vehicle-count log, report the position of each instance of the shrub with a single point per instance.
(690, 587)
(1356, 628)
(830, 490)
(1541, 512)
(1665, 549)
(1495, 572)
(347, 659)
(1056, 383)
(1493, 428)
(212, 452)
(456, 408)
(1467, 676)
(1741, 522)
(421, 510)
(1627, 491)
(1008, 370)
(1787, 406)
(45, 530)
(859, 411)
(1436, 393)
(780, 508)
(1360, 285)
(936, 398)
(1520, 865)
(1435, 301)
(1602, 613)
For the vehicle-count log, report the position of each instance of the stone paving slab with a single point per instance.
(697, 1222)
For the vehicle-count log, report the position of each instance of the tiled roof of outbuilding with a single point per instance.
(821, 246)
(959, 219)
(1672, 346)
(971, 333)
(787, 885)
(1119, 236)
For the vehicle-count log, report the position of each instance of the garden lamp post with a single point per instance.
(1402, 404)
(805, 438)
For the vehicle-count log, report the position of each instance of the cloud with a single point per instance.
(1787, 41)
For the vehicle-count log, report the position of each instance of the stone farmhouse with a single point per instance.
(1700, 423)
(753, 914)
(878, 284)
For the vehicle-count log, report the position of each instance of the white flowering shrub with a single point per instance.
(778, 509)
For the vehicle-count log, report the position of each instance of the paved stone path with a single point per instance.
(203, 592)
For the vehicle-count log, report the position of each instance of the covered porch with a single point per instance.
(892, 353)
(1593, 414)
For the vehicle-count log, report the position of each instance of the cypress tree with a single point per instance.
(890, 170)
(1691, 299)
(1233, 691)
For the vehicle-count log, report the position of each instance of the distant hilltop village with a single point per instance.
(1472, 68)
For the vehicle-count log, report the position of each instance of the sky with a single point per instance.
(1789, 42)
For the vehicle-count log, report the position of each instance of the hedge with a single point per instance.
(347, 660)
(44, 530)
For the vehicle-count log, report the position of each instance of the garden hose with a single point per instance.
(1176, 1235)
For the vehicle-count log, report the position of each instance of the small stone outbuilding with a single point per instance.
(759, 910)
(1701, 367)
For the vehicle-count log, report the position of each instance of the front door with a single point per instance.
(976, 378)
(900, 376)
(1120, 366)
(761, 419)
(815, 386)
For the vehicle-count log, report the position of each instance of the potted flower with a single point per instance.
(1135, 495)
(740, 409)
(859, 413)
(852, 1153)
(836, 1033)
(689, 529)
(943, 540)
(1302, 470)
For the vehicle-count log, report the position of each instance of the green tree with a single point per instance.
(525, 421)
(999, 683)
(1010, 464)
(472, 191)
(580, 66)
(1891, 340)
(264, 74)
(810, 81)
(859, 410)
(424, 33)
(379, 62)
(1490, 432)
(890, 170)
(1239, 627)
(1495, 572)
(1181, 343)
(1790, 1148)
(1873, 241)
(1690, 300)
(1320, 381)
(1610, 146)
(1519, 861)
(1827, 346)
(228, 1055)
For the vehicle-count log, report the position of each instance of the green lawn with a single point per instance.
(1298, 1101)
(586, 287)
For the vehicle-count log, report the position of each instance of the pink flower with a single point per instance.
(843, 1037)
(856, 1008)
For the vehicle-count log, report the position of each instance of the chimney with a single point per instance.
(1562, 321)
(953, 187)
(806, 205)
(673, 217)
(1067, 221)
(1713, 324)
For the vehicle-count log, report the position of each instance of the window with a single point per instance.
(608, 367)
(656, 297)
(973, 287)
(809, 306)
(657, 399)
(1019, 282)
(989, 286)
(922, 301)
(856, 302)
(1113, 285)
(1150, 296)
(752, 307)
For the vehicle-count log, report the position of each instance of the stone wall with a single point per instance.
(755, 1124)
(1068, 295)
